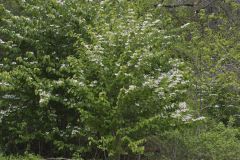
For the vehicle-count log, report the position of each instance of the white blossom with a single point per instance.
(61, 2)
(183, 106)
(10, 96)
(44, 97)
(185, 25)
(132, 87)
(187, 117)
(1, 41)
(199, 118)
(4, 84)
(59, 82)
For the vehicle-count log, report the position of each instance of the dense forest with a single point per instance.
(120, 79)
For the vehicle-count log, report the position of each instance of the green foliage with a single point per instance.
(220, 143)
(102, 79)
(25, 157)
(208, 141)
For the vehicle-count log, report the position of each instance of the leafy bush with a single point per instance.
(216, 143)
(98, 79)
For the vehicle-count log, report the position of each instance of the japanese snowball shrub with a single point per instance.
(74, 86)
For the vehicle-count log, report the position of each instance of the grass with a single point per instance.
(25, 157)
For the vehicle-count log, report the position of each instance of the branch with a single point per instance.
(203, 4)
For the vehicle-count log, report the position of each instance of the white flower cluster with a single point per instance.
(33, 62)
(181, 113)
(1, 41)
(185, 25)
(4, 84)
(75, 130)
(182, 108)
(44, 97)
(59, 82)
(94, 57)
(187, 118)
(104, 2)
(93, 83)
(61, 2)
(9, 110)
(130, 88)
(153, 82)
(76, 82)
(199, 118)
(10, 96)
(175, 77)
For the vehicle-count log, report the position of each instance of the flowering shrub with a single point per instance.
(90, 79)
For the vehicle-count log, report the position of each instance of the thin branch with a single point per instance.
(201, 5)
